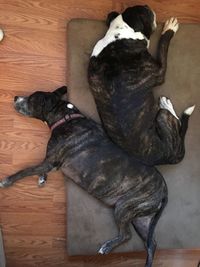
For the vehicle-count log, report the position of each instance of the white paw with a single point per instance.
(101, 251)
(165, 103)
(42, 180)
(189, 110)
(105, 248)
(171, 24)
(1, 35)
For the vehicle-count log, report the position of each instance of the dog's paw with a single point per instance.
(105, 249)
(1, 35)
(4, 183)
(165, 103)
(171, 24)
(42, 180)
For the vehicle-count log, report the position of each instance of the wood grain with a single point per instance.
(33, 56)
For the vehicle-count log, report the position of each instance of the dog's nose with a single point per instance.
(15, 98)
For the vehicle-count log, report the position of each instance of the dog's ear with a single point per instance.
(61, 91)
(111, 16)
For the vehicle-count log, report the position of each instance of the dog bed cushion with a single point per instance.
(90, 223)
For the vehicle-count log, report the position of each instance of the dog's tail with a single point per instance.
(185, 119)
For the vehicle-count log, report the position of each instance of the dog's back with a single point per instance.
(104, 170)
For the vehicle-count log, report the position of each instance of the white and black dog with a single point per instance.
(122, 74)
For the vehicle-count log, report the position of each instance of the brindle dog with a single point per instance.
(82, 151)
(122, 74)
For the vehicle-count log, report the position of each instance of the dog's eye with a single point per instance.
(70, 106)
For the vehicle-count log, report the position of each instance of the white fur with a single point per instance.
(41, 181)
(118, 30)
(1, 35)
(171, 24)
(165, 103)
(101, 251)
(154, 21)
(189, 110)
(19, 99)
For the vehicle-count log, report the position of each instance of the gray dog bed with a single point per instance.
(90, 223)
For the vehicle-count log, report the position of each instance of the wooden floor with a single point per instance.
(33, 56)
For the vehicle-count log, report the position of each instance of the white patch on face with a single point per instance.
(118, 30)
(69, 105)
(165, 103)
(20, 99)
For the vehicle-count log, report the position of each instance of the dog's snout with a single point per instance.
(18, 99)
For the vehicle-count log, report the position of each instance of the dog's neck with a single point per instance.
(65, 119)
(61, 114)
(118, 30)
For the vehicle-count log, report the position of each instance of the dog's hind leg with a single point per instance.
(145, 227)
(123, 218)
(171, 131)
(40, 170)
(124, 235)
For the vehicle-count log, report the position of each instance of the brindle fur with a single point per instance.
(121, 78)
(83, 152)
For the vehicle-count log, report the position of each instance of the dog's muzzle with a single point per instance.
(21, 105)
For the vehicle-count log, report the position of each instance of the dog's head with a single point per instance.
(39, 104)
(139, 18)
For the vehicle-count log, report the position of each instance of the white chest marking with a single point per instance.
(118, 30)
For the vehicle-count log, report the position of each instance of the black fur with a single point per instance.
(84, 153)
(121, 78)
(140, 18)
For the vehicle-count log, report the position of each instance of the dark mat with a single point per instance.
(89, 223)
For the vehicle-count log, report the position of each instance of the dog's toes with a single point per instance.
(171, 24)
(163, 102)
(42, 180)
(105, 249)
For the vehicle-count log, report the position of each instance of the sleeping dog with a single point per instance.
(82, 151)
(122, 74)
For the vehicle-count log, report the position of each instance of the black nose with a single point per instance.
(15, 98)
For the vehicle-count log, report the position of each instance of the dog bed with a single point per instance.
(90, 223)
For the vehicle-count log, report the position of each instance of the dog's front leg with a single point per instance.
(170, 28)
(40, 170)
